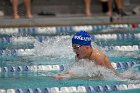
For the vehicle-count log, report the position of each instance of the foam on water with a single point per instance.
(85, 68)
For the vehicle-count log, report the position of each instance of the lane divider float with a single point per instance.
(30, 52)
(35, 68)
(31, 39)
(65, 29)
(73, 89)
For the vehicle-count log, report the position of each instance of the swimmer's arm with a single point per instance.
(108, 63)
(100, 61)
(104, 61)
(63, 76)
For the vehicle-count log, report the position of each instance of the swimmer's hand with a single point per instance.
(62, 76)
(59, 76)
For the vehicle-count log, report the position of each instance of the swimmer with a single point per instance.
(81, 44)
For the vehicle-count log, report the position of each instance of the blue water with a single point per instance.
(57, 51)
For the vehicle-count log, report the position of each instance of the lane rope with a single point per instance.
(36, 68)
(73, 89)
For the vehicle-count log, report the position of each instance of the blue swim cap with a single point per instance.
(81, 38)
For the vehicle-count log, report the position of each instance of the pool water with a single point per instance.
(57, 50)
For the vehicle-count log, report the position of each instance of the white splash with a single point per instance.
(54, 46)
(85, 68)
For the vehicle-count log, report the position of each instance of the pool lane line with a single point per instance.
(51, 30)
(41, 68)
(73, 89)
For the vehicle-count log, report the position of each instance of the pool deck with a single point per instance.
(62, 20)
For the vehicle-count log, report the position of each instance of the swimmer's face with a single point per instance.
(80, 51)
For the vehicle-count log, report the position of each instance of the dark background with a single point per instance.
(60, 7)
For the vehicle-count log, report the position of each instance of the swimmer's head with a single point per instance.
(81, 38)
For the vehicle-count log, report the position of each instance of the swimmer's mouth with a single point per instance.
(77, 55)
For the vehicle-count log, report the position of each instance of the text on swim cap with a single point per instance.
(82, 38)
